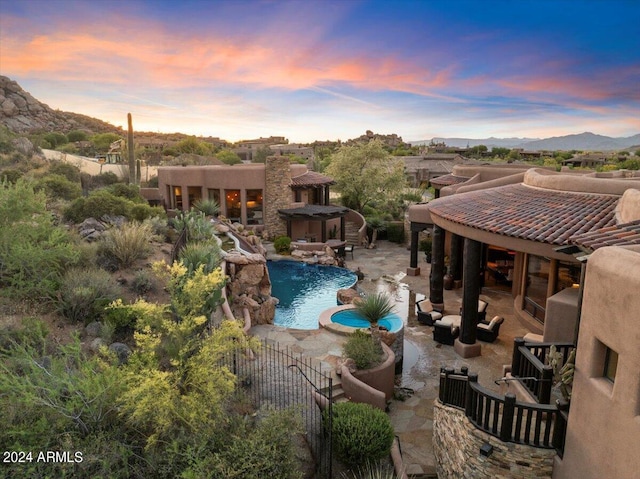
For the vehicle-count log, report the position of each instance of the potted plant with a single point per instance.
(426, 245)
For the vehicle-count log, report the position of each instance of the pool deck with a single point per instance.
(384, 269)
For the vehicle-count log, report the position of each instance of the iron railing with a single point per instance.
(274, 378)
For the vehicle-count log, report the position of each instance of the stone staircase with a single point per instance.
(351, 233)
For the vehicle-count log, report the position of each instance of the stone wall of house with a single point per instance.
(277, 195)
(457, 443)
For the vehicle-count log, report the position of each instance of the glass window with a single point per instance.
(610, 365)
(234, 207)
(568, 276)
(195, 194)
(214, 194)
(177, 197)
(254, 207)
(535, 294)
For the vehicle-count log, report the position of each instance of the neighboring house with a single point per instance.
(278, 197)
(421, 169)
(589, 160)
(567, 249)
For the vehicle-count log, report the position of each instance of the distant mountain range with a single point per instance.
(584, 142)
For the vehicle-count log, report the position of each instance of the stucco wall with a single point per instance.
(603, 436)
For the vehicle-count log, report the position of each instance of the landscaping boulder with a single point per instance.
(122, 351)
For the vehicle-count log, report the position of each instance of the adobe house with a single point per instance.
(276, 198)
(567, 247)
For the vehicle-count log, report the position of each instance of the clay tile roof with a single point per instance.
(534, 214)
(618, 235)
(447, 180)
(314, 211)
(311, 178)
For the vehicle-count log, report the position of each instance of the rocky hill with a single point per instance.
(22, 113)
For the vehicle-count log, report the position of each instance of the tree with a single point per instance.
(366, 172)
(228, 157)
(261, 154)
(500, 152)
(77, 135)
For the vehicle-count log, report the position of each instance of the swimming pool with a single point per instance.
(305, 290)
(349, 317)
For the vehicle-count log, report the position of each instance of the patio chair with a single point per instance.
(348, 249)
(445, 332)
(482, 310)
(487, 331)
(426, 314)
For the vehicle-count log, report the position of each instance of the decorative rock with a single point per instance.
(122, 351)
(96, 344)
(347, 295)
(93, 329)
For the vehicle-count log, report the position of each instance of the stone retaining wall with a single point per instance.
(457, 443)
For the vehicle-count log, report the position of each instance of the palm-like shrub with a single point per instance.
(209, 207)
(374, 307)
(205, 253)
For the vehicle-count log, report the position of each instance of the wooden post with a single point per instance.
(546, 385)
(516, 359)
(470, 403)
(436, 289)
(470, 291)
(507, 417)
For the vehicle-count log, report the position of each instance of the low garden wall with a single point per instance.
(457, 446)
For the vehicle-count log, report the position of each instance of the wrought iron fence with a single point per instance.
(279, 379)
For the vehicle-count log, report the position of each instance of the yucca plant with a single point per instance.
(373, 308)
(127, 243)
(205, 253)
(209, 207)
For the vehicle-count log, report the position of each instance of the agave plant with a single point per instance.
(209, 207)
(373, 308)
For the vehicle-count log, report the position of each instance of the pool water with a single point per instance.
(348, 317)
(305, 290)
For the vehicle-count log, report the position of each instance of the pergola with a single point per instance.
(320, 213)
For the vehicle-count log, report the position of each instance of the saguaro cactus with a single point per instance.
(132, 160)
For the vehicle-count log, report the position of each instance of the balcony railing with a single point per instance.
(537, 425)
(530, 364)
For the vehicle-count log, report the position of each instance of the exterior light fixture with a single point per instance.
(486, 450)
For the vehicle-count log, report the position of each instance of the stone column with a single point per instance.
(466, 344)
(277, 194)
(436, 283)
(413, 269)
(342, 227)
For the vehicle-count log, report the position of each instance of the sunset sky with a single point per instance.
(328, 70)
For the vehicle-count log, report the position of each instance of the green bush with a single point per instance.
(159, 225)
(282, 244)
(84, 294)
(58, 186)
(98, 204)
(199, 228)
(77, 135)
(11, 175)
(126, 244)
(130, 192)
(361, 433)
(69, 171)
(119, 317)
(395, 232)
(142, 283)
(104, 179)
(364, 351)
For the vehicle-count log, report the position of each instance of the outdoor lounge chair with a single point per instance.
(445, 332)
(426, 314)
(482, 310)
(488, 330)
(348, 249)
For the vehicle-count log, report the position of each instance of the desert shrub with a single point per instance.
(84, 294)
(104, 179)
(266, 450)
(120, 318)
(361, 433)
(126, 244)
(97, 204)
(130, 192)
(56, 139)
(58, 186)
(159, 226)
(364, 351)
(153, 182)
(77, 135)
(140, 212)
(282, 244)
(195, 254)
(142, 283)
(11, 175)
(199, 228)
(69, 171)
(34, 252)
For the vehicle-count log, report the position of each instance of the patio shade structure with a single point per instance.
(321, 213)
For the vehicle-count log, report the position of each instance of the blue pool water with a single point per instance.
(305, 290)
(349, 317)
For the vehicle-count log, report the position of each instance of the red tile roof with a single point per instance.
(535, 214)
(311, 178)
(618, 235)
(447, 180)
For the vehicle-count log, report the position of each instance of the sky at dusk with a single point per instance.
(328, 70)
